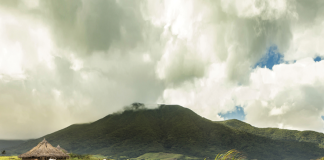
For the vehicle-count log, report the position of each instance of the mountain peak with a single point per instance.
(170, 129)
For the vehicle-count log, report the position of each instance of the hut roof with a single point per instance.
(44, 149)
(58, 147)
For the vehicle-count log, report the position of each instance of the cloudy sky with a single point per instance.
(65, 62)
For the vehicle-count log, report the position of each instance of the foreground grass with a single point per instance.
(229, 155)
(236, 155)
(9, 158)
(163, 156)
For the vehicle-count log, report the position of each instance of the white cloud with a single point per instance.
(11, 53)
(293, 99)
(10, 60)
(266, 10)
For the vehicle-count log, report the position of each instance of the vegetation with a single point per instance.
(231, 155)
(10, 143)
(164, 156)
(169, 129)
(9, 158)
(278, 134)
(79, 156)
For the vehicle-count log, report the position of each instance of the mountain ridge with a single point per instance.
(276, 133)
(169, 129)
(6, 143)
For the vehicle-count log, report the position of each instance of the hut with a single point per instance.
(44, 151)
(58, 147)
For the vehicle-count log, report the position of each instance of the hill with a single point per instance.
(276, 133)
(10, 143)
(169, 129)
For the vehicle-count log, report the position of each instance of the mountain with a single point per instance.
(276, 133)
(169, 129)
(10, 143)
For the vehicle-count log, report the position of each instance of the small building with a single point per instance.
(44, 151)
(58, 147)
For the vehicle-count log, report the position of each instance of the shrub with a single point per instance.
(230, 155)
(73, 155)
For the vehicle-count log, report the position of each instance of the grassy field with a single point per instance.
(229, 155)
(163, 156)
(9, 158)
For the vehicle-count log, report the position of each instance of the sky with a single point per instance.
(76, 61)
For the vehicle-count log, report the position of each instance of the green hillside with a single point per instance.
(10, 143)
(278, 134)
(169, 129)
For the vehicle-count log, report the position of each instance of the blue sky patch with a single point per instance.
(323, 117)
(237, 114)
(317, 59)
(271, 58)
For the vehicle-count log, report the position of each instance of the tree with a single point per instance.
(3, 152)
(136, 106)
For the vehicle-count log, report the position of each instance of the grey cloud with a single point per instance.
(22, 112)
(105, 84)
(309, 11)
(180, 64)
(9, 3)
(252, 39)
(93, 25)
(308, 27)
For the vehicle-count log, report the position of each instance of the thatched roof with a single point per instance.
(58, 147)
(44, 149)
